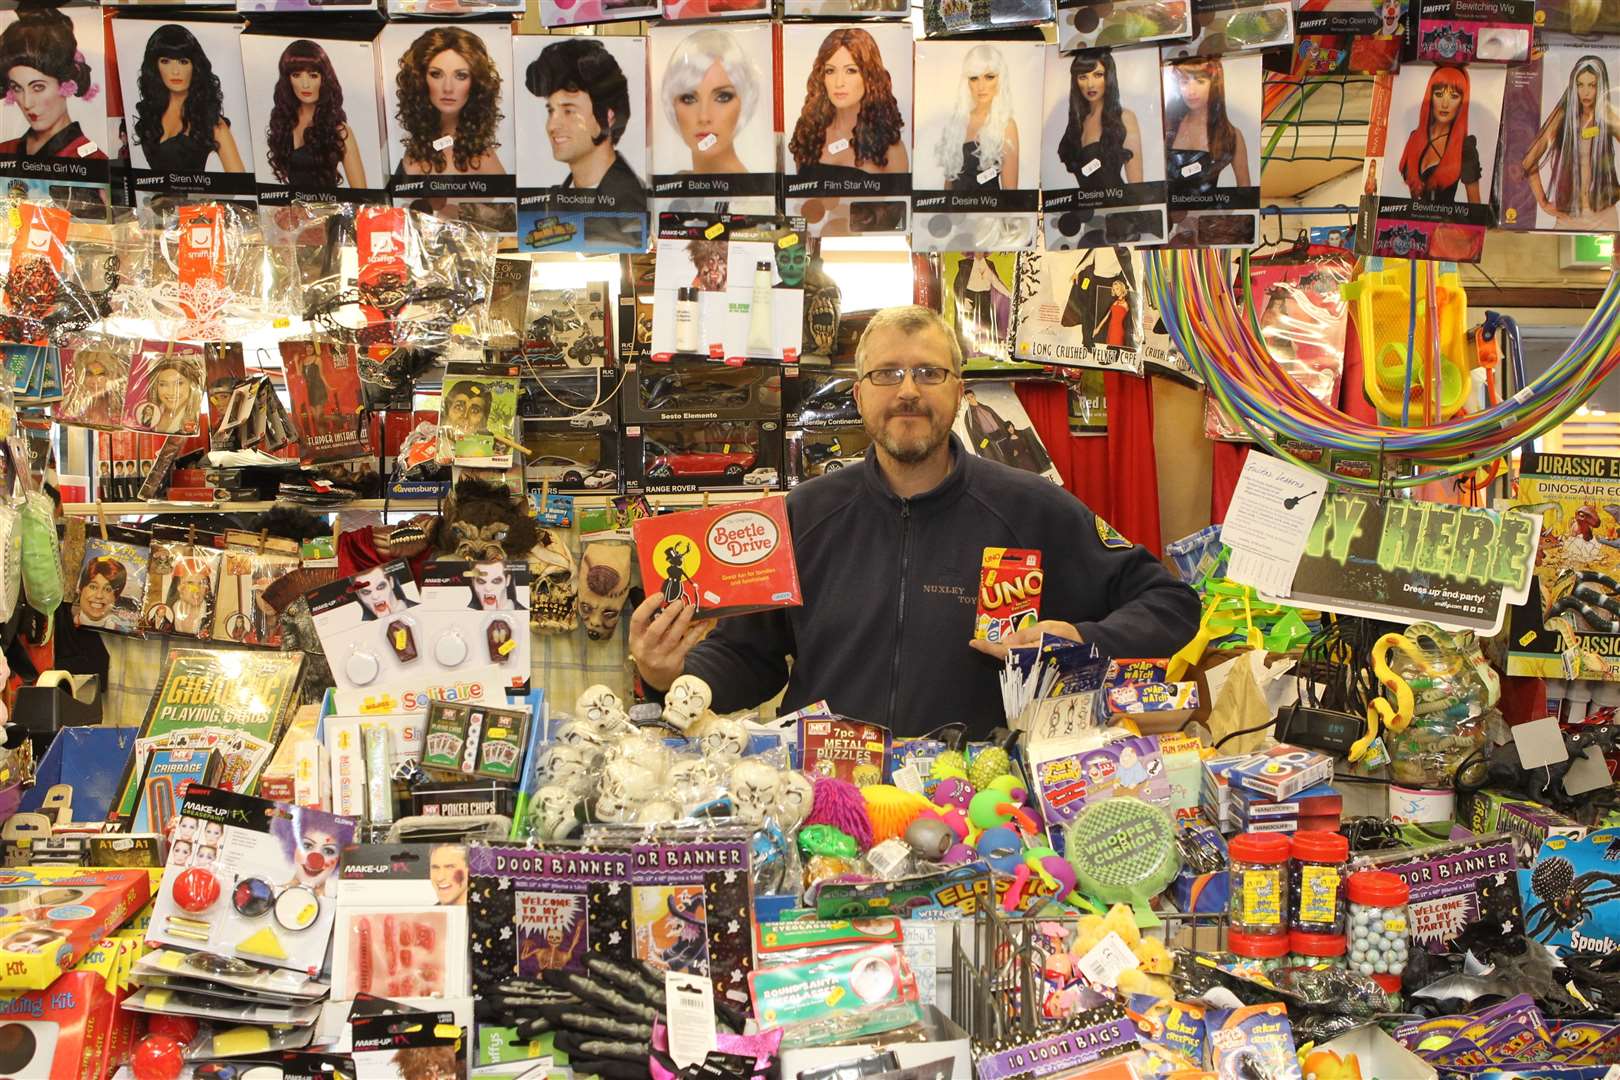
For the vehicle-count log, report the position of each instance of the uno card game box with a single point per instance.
(1010, 582)
(723, 560)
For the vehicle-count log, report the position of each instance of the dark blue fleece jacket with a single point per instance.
(890, 593)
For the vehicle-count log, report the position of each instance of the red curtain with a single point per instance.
(1114, 474)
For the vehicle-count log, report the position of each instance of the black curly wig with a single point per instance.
(205, 101)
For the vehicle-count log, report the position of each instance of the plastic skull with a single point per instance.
(793, 802)
(570, 766)
(615, 805)
(635, 769)
(601, 705)
(583, 733)
(688, 699)
(694, 780)
(657, 811)
(754, 788)
(725, 740)
(551, 814)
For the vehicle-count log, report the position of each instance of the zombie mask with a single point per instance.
(604, 587)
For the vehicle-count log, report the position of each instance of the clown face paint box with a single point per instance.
(724, 560)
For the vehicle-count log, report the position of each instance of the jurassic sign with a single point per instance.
(1410, 561)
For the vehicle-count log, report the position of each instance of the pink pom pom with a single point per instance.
(839, 803)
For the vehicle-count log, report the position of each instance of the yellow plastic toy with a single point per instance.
(1394, 717)
(1382, 296)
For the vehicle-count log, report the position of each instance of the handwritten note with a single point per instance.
(1273, 508)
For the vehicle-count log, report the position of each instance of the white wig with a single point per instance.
(980, 59)
(693, 58)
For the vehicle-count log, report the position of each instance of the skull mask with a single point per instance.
(687, 700)
(554, 587)
(604, 587)
(551, 815)
(754, 788)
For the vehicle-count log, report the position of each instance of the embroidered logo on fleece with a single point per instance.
(1109, 535)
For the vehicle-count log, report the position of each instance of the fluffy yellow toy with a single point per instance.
(1153, 958)
(892, 810)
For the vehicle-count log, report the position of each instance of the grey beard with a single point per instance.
(908, 454)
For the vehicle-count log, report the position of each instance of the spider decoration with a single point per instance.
(1566, 900)
(45, 306)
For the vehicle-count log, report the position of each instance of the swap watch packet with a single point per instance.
(1010, 581)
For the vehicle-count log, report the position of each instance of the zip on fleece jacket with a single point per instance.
(850, 532)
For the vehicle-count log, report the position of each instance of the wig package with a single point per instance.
(53, 143)
(180, 586)
(1548, 182)
(977, 172)
(110, 590)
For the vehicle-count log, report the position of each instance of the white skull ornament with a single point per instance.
(688, 699)
(602, 706)
(570, 766)
(553, 586)
(754, 788)
(725, 740)
(551, 814)
(793, 802)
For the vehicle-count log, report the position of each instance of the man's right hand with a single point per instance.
(660, 640)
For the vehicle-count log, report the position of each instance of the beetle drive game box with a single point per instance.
(724, 560)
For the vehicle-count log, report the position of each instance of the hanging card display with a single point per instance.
(582, 147)
(258, 884)
(1212, 150)
(95, 372)
(978, 139)
(370, 627)
(713, 108)
(164, 395)
(180, 590)
(1430, 165)
(451, 155)
(323, 384)
(994, 425)
(690, 908)
(1102, 149)
(111, 585)
(55, 120)
(546, 908)
(332, 153)
(846, 101)
(728, 288)
(208, 155)
(1091, 24)
(1558, 142)
(1080, 309)
(555, 13)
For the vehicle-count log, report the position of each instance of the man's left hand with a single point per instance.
(1029, 635)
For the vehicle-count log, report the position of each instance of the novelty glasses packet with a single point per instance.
(724, 560)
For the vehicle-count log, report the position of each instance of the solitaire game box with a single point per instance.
(723, 560)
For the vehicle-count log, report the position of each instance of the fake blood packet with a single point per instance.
(724, 560)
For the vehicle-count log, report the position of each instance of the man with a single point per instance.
(587, 108)
(889, 552)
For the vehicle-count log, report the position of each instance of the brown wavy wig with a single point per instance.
(1219, 132)
(476, 126)
(324, 136)
(877, 125)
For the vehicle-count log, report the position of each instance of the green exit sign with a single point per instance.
(1592, 252)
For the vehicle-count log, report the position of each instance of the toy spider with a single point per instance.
(1566, 900)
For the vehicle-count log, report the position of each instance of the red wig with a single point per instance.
(1449, 170)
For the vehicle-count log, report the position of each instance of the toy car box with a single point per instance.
(820, 399)
(813, 452)
(564, 459)
(723, 560)
(736, 455)
(698, 391)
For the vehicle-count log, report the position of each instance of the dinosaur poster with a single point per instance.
(1570, 626)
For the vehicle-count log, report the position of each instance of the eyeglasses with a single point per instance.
(924, 375)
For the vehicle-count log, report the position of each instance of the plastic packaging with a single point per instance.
(1454, 692)
(201, 274)
(1316, 882)
(53, 289)
(1259, 885)
(1306, 949)
(1378, 926)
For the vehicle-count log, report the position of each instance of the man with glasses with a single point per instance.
(889, 552)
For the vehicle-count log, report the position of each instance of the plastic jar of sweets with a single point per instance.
(1263, 953)
(1258, 865)
(1378, 926)
(1313, 950)
(1316, 882)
